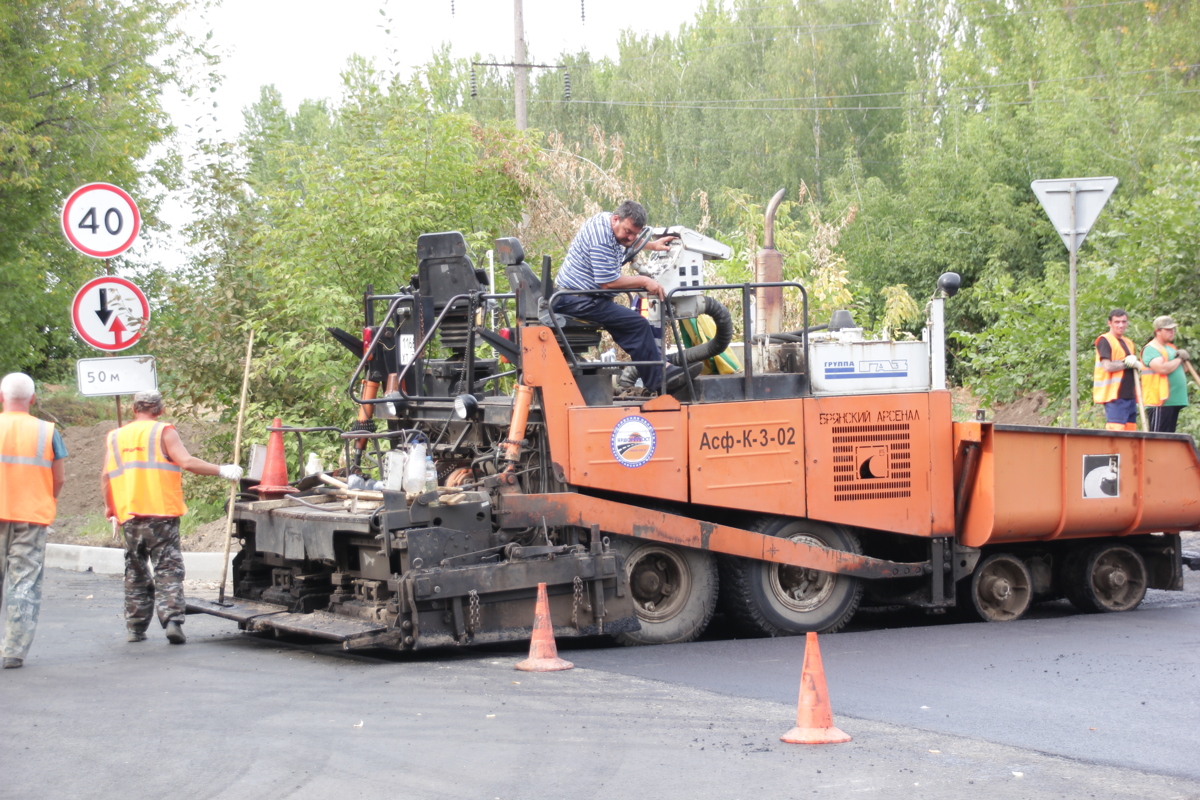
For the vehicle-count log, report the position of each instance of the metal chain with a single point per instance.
(474, 602)
(575, 604)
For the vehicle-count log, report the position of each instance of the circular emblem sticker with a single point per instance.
(633, 441)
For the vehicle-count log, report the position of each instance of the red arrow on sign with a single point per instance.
(117, 329)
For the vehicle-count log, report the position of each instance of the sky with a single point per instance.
(302, 46)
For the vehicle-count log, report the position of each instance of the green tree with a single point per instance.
(80, 87)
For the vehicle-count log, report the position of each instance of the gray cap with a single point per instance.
(148, 399)
(1163, 322)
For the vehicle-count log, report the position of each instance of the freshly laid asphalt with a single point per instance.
(1056, 705)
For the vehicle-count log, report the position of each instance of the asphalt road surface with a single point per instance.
(1057, 705)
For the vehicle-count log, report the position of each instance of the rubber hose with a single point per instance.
(705, 350)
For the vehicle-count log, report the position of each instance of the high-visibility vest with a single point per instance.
(26, 464)
(1107, 385)
(143, 480)
(1155, 388)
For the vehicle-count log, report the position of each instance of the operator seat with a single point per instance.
(533, 293)
(444, 270)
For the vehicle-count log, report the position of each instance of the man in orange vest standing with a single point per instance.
(1114, 374)
(31, 476)
(1164, 386)
(142, 484)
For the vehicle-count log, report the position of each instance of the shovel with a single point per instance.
(237, 459)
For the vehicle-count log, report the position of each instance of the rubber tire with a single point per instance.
(752, 605)
(1076, 578)
(975, 579)
(690, 621)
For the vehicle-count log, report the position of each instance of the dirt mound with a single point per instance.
(209, 538)
(1028, 410)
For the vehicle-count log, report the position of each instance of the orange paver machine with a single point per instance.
(825, 474)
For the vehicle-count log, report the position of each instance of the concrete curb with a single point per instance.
(111, 561)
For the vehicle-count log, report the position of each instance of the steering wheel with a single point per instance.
(641, 241)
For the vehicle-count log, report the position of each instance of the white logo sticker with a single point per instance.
(633, 441)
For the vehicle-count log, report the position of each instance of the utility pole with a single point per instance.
(521, 76)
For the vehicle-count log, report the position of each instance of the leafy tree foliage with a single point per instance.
(80, 84)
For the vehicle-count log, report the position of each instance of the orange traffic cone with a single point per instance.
(543, 653)
(275, 476)
(814, 718)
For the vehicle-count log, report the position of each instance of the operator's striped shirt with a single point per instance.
(594, 257)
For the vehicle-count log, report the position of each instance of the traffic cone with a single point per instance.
(543, 653)
(275, 475)
(814, 718)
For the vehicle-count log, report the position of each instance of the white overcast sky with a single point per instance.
(301, 46)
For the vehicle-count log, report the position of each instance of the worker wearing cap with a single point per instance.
(31, 476)
(142, 483)
(1114, 374)
(1164, 386)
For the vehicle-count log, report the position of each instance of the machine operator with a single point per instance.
(594, 260)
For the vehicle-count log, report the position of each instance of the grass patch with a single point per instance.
(200, 512)
(69, 407)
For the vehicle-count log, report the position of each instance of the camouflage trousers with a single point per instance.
(153, 541)
(22, 556)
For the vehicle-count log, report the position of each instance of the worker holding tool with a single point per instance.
(1164, 383)
(594, 260)
(31, 476)
(1115, 375)
(142, 483)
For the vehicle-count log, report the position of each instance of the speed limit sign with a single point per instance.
(100, 220)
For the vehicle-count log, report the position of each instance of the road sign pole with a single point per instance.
(1074, 349)
(117, 398)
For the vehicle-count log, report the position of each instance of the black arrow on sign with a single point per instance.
(104, 313)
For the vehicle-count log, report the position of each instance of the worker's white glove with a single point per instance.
(1131, 362)
(1184, 355)
(230, 472)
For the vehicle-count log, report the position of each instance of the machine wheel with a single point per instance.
(1104, 578)
(674, 591)
(766, 599)
(1001, 588)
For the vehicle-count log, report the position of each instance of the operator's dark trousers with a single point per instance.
(1163, 419)
(629, 329)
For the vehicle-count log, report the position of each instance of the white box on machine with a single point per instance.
(869, 367)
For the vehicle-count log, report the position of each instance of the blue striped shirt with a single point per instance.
(594, 257)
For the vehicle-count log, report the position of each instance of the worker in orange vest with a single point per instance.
(142, 483)
(1164, 385)
(31, 476)
(1117, 367)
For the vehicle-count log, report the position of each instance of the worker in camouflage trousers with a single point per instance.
(31, 476)
(142, 484)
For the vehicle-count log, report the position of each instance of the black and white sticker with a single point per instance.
(1101, 477)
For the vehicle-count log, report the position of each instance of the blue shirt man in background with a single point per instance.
(593, 262)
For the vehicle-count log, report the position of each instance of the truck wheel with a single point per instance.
(1104, 578)
(766, 599)
(1001, 588)
(674, 591)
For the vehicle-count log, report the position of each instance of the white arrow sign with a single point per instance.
(1090, 195)
(110, 313)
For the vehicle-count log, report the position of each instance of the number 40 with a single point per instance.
(89, 221)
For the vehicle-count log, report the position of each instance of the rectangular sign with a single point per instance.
(100, 377)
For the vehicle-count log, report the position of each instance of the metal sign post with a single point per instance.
(1073, 204)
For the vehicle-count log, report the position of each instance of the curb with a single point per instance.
(111, 561)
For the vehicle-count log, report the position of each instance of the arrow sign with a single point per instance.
(1090, 195)
(110, 313)
(104, 313)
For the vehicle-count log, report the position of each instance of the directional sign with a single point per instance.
(1090, 196)
(100, 377)
(100, 220)
(110, 313)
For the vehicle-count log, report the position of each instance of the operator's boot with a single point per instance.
(677, 378)
(13, 663)
(175, 633)
(135, 636)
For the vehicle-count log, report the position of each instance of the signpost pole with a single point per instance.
(1074, 350)
(117, 397)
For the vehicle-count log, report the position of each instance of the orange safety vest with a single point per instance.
(1155, 388)
(26, 463)
(143, 481)
(1107, 385)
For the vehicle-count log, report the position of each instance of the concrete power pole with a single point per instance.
(521, 76)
